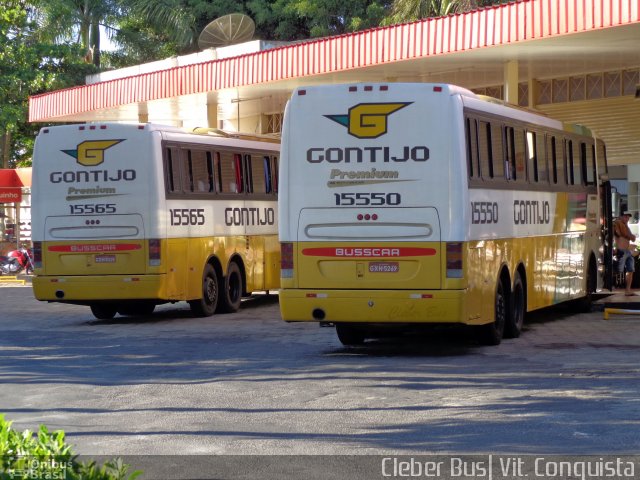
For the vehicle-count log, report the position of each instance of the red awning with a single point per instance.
(11, 183)
(9, 178)
(15, 177)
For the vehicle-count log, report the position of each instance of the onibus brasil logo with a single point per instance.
(368, 120)
(91, 152)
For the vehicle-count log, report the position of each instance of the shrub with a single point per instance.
(45, 455)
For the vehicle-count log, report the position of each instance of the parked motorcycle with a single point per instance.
(16, 261)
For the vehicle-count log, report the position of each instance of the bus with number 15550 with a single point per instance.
(409, 204)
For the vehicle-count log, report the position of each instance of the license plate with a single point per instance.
(105, 259)
(384, 267)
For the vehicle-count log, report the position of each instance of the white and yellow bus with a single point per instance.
(403, 204)
(126, 217)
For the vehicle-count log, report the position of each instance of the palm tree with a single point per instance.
(77, 21)
(170, 17)
(410, 10)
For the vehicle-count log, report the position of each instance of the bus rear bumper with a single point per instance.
(373, 306)
(84, 289)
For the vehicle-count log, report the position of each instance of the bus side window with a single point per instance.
(274, 174)
(268, 188)
(587, 165)
(510, 163)
(188, 174)
(228, 176)
(553, 157)
(173, 170)
(497, 152)
(217, 175)
(532, 157)
(590, 164)
(247, 167)
(601, 158)
(259, 174)
(472, 148)
(569, 163)
(516, 149)
(238, 177)
(184, 168)
(484, 150)
(211, 186)
(577, 163)
(199, 171)
(541, 157)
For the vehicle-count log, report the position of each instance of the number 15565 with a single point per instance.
(187, 216)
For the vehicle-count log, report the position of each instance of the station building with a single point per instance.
(575, 60)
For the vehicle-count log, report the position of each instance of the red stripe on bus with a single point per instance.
(95, 248)
(368, 252)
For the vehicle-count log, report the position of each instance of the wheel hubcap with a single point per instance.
(210, 290)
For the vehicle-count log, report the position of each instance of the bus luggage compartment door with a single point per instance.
(356, 248)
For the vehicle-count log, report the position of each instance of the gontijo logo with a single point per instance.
(91, 152)
(368, 120)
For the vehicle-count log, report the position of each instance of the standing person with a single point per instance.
(623, 238)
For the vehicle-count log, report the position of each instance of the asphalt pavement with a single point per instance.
(250, 384)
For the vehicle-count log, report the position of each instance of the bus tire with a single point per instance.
(492, 333)
(515, 320)
(232, 292)
(206, 305)
(349, 335)
(103, 311)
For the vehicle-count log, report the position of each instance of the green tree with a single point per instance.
(174, 20)
(178, 22)
(181, 21)
(77, 21)
(28, 67)
(411, 10)
(299, 19)
(138, 43)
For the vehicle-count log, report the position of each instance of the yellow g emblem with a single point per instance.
(91, 152)
(368, 120)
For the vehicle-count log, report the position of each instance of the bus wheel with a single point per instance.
(103, 311)
(513, 324)
(233, 288)
(491, 333)
(206, 306)
(349, 335)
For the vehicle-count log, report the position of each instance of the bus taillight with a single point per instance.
(286, 260)
(37, 254)
(154, 252)
(454, 260)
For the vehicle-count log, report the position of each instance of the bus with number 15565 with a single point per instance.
(129, 216)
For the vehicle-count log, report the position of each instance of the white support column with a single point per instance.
(511, 82)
